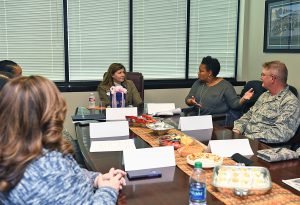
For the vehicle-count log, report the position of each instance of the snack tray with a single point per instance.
(242, 180)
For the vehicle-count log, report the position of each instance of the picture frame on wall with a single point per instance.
(282, 26)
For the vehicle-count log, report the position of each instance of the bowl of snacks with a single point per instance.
(175, 140)
(159, 128)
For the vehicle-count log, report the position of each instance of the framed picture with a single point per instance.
(282, 26)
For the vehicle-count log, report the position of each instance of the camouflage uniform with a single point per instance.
(273, 119)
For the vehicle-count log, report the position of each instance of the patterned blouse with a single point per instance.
(57, 179)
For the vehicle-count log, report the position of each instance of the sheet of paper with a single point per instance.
(115, 145)
(109, 129)
(159, 107)
(148, 158)
(120, 113)
(295, 183)
(195, 122)
(226, 148)
(169, 112)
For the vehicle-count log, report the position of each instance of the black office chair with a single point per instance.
(293, 143)
(258, 90)
(138, 80)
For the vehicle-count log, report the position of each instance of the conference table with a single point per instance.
(174, 189)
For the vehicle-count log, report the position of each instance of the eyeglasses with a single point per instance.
(271, 75)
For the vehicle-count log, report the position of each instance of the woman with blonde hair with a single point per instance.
(36, 165)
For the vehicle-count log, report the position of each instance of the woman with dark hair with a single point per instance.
(116, 76)
(36, 165)
(10, 67)
(211, 94)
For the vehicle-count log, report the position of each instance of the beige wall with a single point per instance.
(251, 57)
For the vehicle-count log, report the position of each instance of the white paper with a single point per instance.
(109, 129)
(195, 122)
(148, 158)
(159, 107)
(295, 183)
(115, 145)
(226, 148)
(120, 113)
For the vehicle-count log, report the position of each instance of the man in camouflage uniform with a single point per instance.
(275, 116)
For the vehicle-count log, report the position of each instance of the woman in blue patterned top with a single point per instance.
(36, 165)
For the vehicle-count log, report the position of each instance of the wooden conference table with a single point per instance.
(175, 189)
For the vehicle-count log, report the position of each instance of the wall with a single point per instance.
(253, 53)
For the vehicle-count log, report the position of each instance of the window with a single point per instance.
(165, 40)
(213, 31)
(31, 34)
(159, 38)
(98, 36)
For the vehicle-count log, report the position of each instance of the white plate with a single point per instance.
(208, 160)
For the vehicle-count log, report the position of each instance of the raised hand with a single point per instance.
(249, 94)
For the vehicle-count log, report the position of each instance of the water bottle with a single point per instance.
(92, 101)
(197, 192)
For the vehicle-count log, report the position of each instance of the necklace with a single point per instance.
(202, 93)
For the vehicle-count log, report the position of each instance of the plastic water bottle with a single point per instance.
(197, 185)
(92, 101)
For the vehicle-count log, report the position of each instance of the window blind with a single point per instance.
(31, 34)
(159, 37)
(213, 31)
(98, 36)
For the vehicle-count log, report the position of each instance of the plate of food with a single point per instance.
(208, 160)
(175, 140)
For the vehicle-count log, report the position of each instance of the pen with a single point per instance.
(277, 151)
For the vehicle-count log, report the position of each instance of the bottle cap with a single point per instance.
(198, 164)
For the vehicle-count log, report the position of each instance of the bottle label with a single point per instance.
(92, 99)
(197, 192)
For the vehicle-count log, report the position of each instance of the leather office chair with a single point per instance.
(293, 143)
(258, 90)
(138, 80)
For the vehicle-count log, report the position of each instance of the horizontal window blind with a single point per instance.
(213, 31)
(98, 36)
(31, 34)
(159, 37)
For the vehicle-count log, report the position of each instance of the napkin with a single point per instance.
(277, 154)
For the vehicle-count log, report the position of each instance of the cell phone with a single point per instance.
(241, 159)
(143, 174)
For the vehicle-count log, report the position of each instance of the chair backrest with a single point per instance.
(258, 90)
(138, 80)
